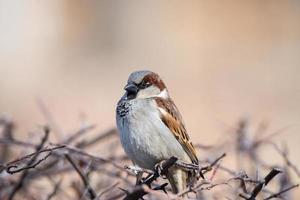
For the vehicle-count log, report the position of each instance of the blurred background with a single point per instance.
(221, 60)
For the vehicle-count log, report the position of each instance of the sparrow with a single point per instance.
(151, 128)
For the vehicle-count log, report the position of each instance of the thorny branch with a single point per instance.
(84, 179)
(161, 170)
(10, 169)
(257, 189)
(55, 190)
(20, 183)
(49, 161)
(284, 154)
(278, 194)
(10, 165)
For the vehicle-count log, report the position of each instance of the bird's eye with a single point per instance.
(144, 84)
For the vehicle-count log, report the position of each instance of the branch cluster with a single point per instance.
(104, 177)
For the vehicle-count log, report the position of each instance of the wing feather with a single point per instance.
(173, 120)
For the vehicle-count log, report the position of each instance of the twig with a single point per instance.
(204, 147)
(11, 171)
(262, 184)
(160, 169)
(98, 138)
(277, 195)
(191, 189)
(84, 179)
(7, 132)
(284, 154)
(35, 154)
(78, 133)
(95, 158)
(204, 170)
(16, 142)
(49, 118)
(25, 173)
(55, 190)
(108, 189)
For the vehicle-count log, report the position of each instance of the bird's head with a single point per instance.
(145, 84)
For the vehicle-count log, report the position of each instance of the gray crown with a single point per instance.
(137, 76)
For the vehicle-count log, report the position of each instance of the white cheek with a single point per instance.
(152, 92)
(163, 94)
(148, 92)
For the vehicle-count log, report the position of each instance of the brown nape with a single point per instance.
(154, 79)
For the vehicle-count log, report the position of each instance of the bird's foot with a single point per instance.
(134, 169)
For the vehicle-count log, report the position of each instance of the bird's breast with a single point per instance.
(144, 136)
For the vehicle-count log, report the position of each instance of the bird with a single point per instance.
(151, 127)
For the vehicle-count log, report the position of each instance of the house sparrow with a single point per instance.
(151, 127)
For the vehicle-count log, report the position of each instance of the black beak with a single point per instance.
(132, 90)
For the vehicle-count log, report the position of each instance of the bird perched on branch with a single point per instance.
(151, 127)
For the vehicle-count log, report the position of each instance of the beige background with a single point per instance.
(221, 60)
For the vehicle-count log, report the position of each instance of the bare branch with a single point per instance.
(32, 160)
(84, 179)
(278, 194)
(78, 133)
(98, 138)
(284, 154)
(35, 154)
(108, 189)
(55, 190)
(11, 171)
(257, 189)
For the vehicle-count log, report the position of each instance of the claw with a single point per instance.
(159, 168)
(133, 169)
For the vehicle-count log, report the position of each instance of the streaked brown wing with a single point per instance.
(173, 120)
